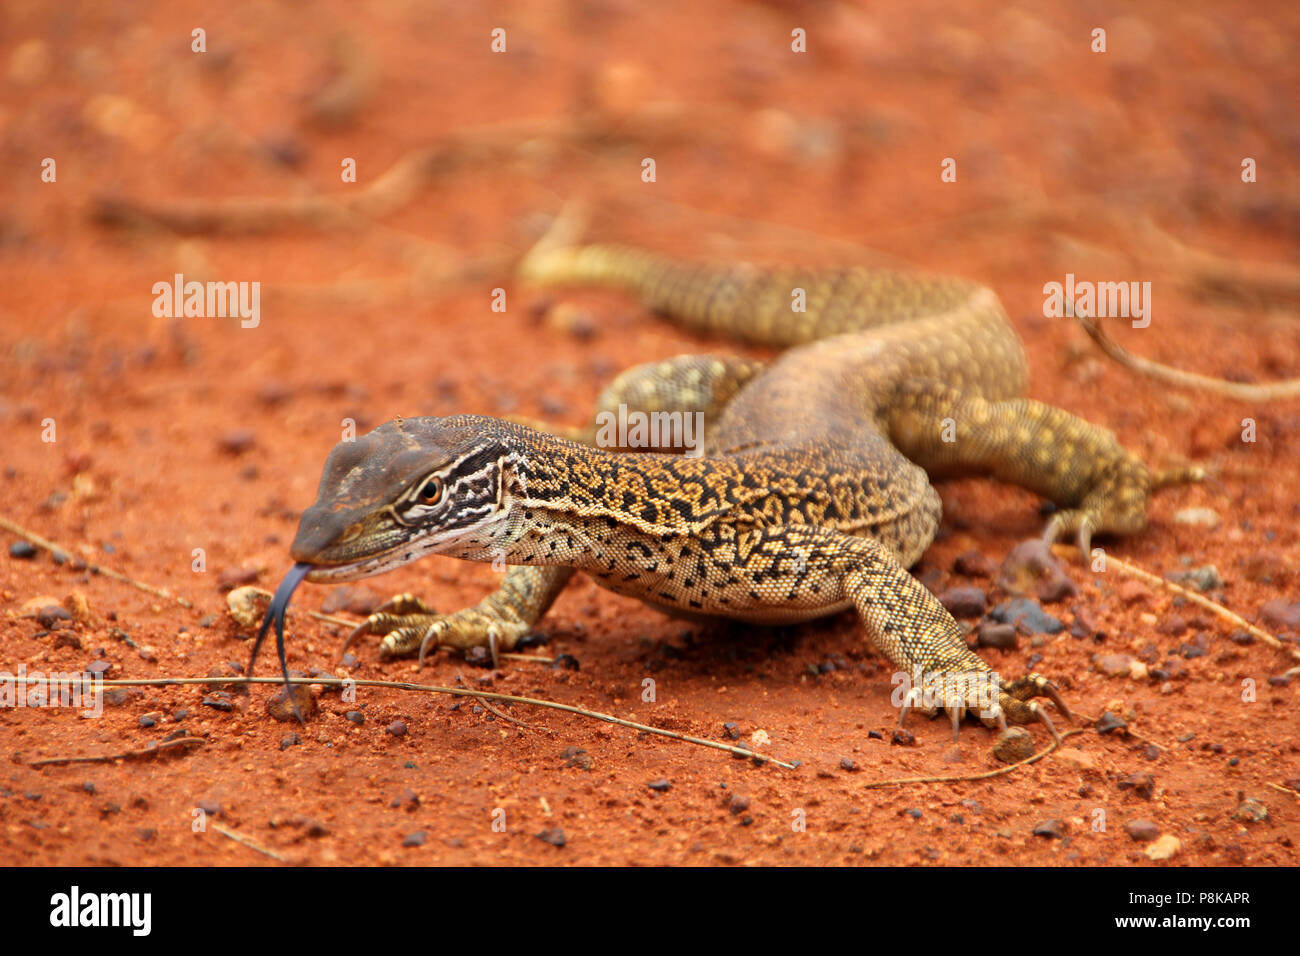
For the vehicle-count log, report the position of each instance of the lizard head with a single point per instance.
(409, 488)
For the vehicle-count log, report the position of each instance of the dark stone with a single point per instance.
(1109, 723)
(989, 634)
(1142, 784)
(1027, 617)
(964, 601)
(1142, 831)
(1053, 829)
(554, 836)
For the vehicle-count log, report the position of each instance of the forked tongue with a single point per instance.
(275, 612)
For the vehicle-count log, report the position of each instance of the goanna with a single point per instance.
(812, 493)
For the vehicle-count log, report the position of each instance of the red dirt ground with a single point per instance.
(1062, 155)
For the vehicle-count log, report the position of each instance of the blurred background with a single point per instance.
(212, 141)
(226, 164)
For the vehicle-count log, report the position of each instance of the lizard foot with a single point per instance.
(408, 625)
(1016, 702)
(978, 692)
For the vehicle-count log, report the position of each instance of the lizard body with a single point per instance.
(812, 494)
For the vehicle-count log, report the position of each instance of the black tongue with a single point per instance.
(275, 612)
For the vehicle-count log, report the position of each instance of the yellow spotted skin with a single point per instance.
(812, 494)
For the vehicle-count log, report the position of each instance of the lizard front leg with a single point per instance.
(496, 622)
(903, 620)
(909, 626)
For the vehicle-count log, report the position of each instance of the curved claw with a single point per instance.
(1059, 522)
(358, 631)
(1051, 693)
(1034, 685)
(909, 702)
(955, 715)
(1086, 527)
(1037, 710)
(429, 635)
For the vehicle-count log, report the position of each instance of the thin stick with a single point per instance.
(240, 838)
(488, 707)
(435, 689)
(33, 538)
(1245, 391)
(538, 658)
(899, 781)
(125, 755)
(1192, 596)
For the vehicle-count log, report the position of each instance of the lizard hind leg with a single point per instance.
(1100, 486)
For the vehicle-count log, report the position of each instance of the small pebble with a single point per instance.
(1204, 578)
(1200, 517)
(22, 550)
(989, 634)
(1165, 848)
(1013, 744)
(280, 704)
(1141, 831)
(964, 601)
(1051, 829)
(1250, 810)
(1110, 722)
(974, 564)
(418, 838)
(659, 786)
(1281, 614)
(1142, 784)
(397, 728)
(554, 836)
(237, 442)
(1031, 568)
(1026, 615)
(1114, 665)
(53, 616)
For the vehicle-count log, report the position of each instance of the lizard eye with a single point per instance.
(430, 491)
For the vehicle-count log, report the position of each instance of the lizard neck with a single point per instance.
(561, 498)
